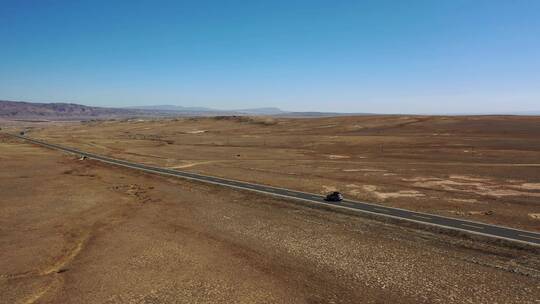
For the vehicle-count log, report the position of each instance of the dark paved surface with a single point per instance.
(423, 218)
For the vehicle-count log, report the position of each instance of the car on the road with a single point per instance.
(334, 197)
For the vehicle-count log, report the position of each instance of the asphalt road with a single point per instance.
(402, 214)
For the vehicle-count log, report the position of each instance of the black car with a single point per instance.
(334, 197)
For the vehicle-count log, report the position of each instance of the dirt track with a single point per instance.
(80, 232)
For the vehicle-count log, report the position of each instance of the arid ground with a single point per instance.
(77, 231)
(482, 168)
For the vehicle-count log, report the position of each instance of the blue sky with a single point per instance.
(349, 56)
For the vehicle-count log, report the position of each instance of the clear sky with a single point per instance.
(349, 56)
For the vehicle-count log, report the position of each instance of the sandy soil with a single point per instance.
(80, 232)
(483, 168)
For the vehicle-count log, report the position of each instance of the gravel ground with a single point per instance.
(482, 168)
(80, 232)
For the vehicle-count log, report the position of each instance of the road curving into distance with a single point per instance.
(493, 231)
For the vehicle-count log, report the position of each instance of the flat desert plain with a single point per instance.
(78, 231)
(482, 168)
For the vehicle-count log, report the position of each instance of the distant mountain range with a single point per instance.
(72, 111)
(20, 109)
(172, 108)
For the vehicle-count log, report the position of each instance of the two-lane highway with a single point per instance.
(493, 231)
